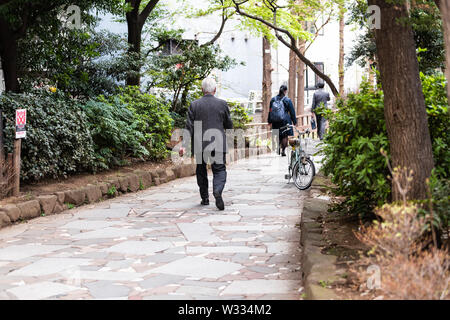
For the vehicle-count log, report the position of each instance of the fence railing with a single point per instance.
(260, 130)
(304, 122)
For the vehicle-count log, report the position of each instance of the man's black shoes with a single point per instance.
(205, 202)
(219, 202)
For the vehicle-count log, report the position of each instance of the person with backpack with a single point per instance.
(281, 114)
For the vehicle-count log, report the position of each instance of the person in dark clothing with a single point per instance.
(289, 118)
(320, 99)
(207, 120)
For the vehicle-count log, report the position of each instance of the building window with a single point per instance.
(313, 80)
(320, 66)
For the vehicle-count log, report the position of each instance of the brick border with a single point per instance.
(138, 180)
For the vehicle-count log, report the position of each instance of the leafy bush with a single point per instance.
(352, 151)
(115, 132)
(434, 88)
(84, 63)
(440, 191)
(239, 116)
(153, 117)
(58, 139)
(358, 132)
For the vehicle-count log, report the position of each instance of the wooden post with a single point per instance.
(267, 80)
(16, 166)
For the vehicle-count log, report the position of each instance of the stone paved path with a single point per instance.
(161, 244)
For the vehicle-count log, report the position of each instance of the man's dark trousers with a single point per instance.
(219, 172)
(321, 124)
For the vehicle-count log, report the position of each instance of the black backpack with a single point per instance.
(279, 113)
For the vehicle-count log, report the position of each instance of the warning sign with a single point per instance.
(21, 122)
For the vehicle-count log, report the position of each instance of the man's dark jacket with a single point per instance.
(320, 99)
(214, 114)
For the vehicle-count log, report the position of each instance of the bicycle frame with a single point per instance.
(297, 154)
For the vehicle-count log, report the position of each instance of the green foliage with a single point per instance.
(440, 191)
(153, 117)
(58, 140)
(65, 136)
(70, 206)
(239, 116)
(434, 88)
(290, 15)
(429, 38)
(112, 191)
(352, 151)
(181, 71)
(85, 64)
(358, 132)
(427, 27)
(115, 132)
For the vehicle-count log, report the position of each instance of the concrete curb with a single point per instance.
(51, 204)
(319, 270)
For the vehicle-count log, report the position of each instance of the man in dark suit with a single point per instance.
(320, 99)
(207, 120)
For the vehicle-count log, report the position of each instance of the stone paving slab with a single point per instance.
(161, 244)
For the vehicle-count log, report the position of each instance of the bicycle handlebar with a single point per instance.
(286, 128)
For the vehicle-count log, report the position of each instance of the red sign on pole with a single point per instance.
(21, 122)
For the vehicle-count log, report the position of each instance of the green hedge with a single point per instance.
(65, 136)
(115, 132)
(58, 140)
(358, 132)
(239, 116)
(154, 118)
(352, 151)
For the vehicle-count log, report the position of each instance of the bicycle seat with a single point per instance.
(293, 142)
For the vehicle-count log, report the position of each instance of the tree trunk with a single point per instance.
(292, 83)
(444, 6)
(134, 40)
(405, 113)
(9, 55)
(341, 53)
(371, 74)
(184, 96)
(301, 82)
(267, 79)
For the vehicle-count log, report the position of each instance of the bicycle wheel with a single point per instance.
(304, 172)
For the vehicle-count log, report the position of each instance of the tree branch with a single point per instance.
(318, 30)
(292, 45)
(219, 33)
(147, 10)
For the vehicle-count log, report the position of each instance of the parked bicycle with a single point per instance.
(301, 168)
